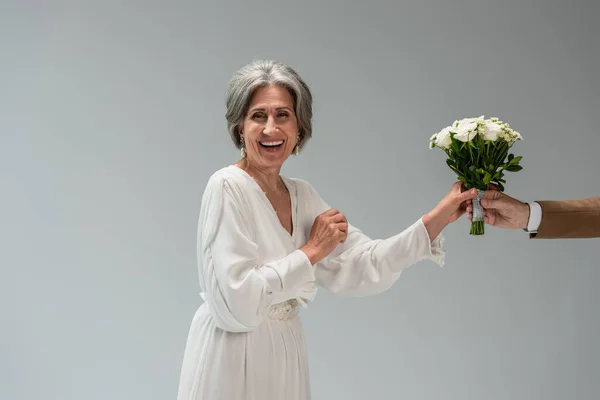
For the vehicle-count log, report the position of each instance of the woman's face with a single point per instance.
(270, 128)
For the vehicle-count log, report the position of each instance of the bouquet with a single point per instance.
(478, 152)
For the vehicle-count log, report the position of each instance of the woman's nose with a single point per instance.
(270, 126)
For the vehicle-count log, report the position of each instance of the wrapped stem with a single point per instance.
(477, 223)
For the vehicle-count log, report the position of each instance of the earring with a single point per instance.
(297, 147)
(243, 147)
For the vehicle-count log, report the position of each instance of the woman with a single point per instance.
(265, 241)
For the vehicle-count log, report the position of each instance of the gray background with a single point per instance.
(112, 119)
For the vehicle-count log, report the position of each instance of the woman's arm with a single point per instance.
(363, 266)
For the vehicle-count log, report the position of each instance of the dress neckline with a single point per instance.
(291, 188)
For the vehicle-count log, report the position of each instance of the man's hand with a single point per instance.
(501, 210)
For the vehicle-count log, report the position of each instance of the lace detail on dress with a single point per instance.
(438, 254)
(284, 311)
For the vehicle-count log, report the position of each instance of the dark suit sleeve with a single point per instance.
(569, 219)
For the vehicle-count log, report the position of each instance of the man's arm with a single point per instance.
(569, 219)
(543, 219)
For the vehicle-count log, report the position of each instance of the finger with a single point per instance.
(491, 186)
(339, 217)
(492, 194)
(490, 217)
(457, 187)
(344, 227)
(330, 212)
(469, 194)
(462, 207)
(341, 226)
(341, 236)
(490, 204)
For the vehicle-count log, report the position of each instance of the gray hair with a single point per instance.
(263, 73)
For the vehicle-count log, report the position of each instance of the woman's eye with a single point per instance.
(258, 116)
(283, 115)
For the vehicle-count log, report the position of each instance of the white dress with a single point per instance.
(246, 340)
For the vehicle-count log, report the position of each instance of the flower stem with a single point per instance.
(477, 228)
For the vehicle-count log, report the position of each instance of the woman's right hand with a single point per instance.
(448, 210)
(329, 229)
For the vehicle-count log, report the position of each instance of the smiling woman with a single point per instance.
(270, 130)
(265, 241)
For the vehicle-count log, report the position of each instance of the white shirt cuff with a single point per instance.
(535, 217)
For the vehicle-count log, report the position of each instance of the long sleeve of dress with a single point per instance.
(237, 288)
(362, 266)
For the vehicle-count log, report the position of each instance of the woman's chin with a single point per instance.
(270, 160)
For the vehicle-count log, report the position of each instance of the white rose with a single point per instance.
(466, 129)
(443, 139)
(493, 130)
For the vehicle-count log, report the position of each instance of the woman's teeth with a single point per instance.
(272, 144)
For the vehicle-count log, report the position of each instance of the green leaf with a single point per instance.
(455, 170)
(515, 161)
(514, 168)
(487, 178)
(455, 146)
